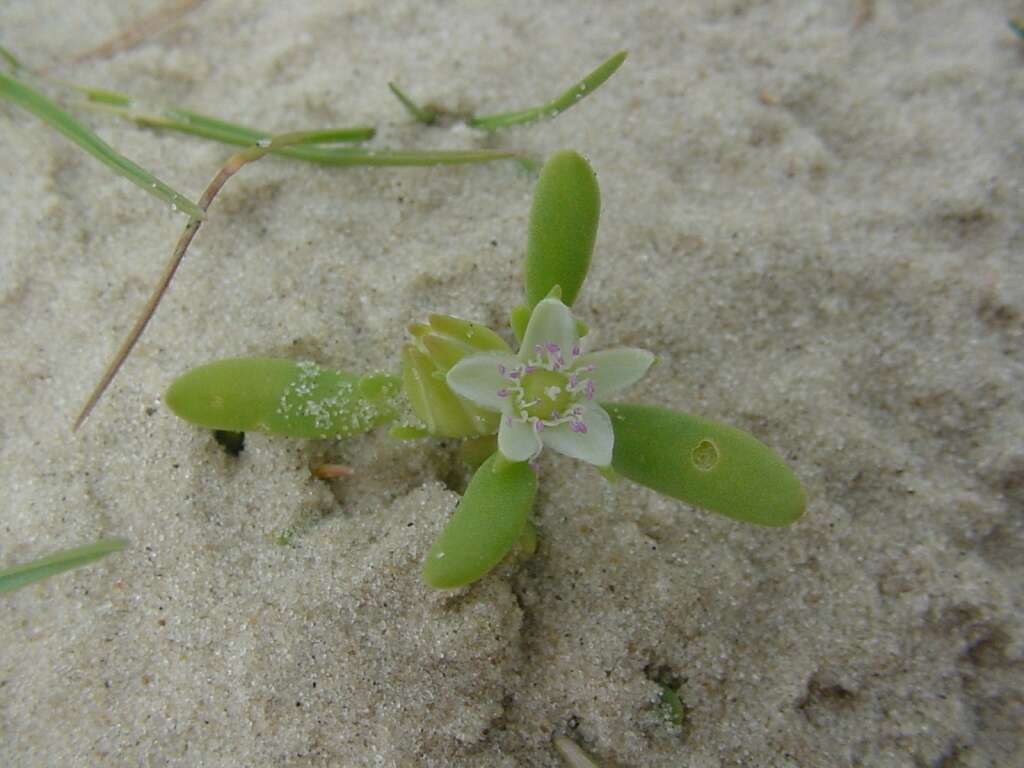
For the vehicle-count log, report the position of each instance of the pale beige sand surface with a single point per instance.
(812, 212)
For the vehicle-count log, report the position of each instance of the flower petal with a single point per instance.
(615, 369)
(593, 446)
(551, 322)
(518, 441)
(478, 378)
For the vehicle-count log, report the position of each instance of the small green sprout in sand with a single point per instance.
(461, 379)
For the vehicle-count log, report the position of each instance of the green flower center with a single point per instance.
(545, 394)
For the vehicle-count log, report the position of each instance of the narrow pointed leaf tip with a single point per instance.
(552, 109)
(706, 464)
(420, 114)
(22, 575)
(563, 228)
(282, 397)
(490, 519)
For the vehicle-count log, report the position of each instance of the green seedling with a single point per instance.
(672, 707)
(22, 575)
(460, 379)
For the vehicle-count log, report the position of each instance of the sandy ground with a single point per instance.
(812, 212)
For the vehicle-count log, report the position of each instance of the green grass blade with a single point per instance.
(555, 107)
(22, 575)
(352, 156)
(195, 123)
(197, 120)
(233, 133)
(308, 149)
(184, 121)
(10, 58)
(425, 116)
(332, 135)
(33, 101)
(97, 95)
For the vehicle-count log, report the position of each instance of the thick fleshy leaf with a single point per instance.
(488, 522)
(442, 412)
(517, 440)
(479, 379)
(615, 369)
(479, 337)
(563, 227)
(551, 322)
(439, 345)
(446, 340)
(705, 463)
(593, 446)
(282, 397)
(444, 350)
(518, 319)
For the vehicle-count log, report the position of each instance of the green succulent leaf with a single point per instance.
(438, 345)
(476, 450)
(441, 411)
(704, 463)
(448, 339)
(563, 228)
(282, 397)
(518, 319)
(489, 521)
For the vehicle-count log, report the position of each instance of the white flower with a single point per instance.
(547, 393)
